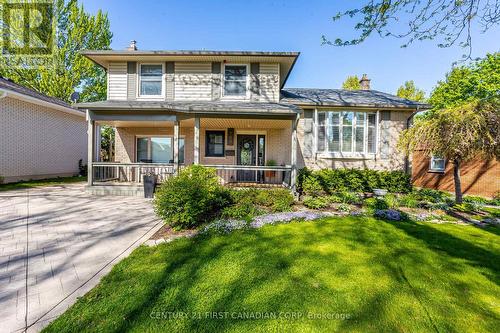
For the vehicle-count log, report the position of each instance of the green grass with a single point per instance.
(385, 276)
(41, 182)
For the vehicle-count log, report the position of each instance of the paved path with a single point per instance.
(55, 245)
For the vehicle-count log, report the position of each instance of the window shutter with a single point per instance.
(170, 80)
(254, 81)
(216, 80)
(131, 79)
(308, 147)
(385, 134)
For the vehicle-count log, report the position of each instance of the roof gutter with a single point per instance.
(34, 100)
(290, 70)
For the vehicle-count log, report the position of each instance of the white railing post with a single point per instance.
(176, 146)
(90, 148)
(293, 173)
(196, 151)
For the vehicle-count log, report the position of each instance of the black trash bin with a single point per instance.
(149, 182)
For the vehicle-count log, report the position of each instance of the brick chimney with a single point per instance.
(132, 46)
(365, 82)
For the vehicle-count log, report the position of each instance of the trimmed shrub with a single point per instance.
(190, 198)
(376, 204)
(316, 203)
(356, 180)
(248, 203)
(311, 187)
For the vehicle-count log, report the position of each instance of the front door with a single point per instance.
(246, 155)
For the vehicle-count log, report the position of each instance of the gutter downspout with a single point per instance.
(408, 124)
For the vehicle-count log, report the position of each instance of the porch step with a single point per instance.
(119, 190)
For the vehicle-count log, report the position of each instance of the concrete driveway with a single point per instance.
(55, 245)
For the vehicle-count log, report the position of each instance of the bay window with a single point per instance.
(150, 80)
(158, 150)
(346, 132)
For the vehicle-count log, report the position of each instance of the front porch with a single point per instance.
(246, 151)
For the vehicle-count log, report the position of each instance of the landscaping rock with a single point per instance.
(390, 214)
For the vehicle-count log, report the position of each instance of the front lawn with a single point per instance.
(41, 182)
(337, 274)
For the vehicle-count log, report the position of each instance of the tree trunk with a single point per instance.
(458, 182)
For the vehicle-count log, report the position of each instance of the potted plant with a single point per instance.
(149, 183)
(270, 173)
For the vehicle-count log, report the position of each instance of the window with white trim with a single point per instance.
(158, 149)
(150, 79)
(346, 132)
(437, 164)
(235, 80)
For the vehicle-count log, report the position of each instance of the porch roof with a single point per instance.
(350, 98)
(195, 107)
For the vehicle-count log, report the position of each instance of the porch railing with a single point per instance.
(129, 173)
(114, 173)
(250, 175)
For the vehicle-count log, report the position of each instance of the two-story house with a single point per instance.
(231, 110)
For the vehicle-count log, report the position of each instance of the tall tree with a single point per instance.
(458, 134)
(69, 71)
(351, 83)
(477, 80)
(446, 21)
(409, 91)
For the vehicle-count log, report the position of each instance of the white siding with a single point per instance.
(193, 81)
(269, 78)
(117, 81)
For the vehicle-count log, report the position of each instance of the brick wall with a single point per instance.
(39, 142)
(479, 177)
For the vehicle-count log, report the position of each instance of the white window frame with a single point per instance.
(159, 136)
(138, 71)
(353, 154)
(431, 163)
(247, 83)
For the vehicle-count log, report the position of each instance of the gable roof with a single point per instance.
(34, 96)
(286, 60)
(342, 97)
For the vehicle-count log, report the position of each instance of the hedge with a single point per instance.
(357, 180)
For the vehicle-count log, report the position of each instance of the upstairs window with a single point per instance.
(150, 80)
(235, 80)
(437, 164)
(346, 132)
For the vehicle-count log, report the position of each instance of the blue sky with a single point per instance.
(276, 25)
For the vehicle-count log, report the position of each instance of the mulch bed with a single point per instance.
(166, 232)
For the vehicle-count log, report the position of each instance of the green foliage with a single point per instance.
(271, 163)
(391, 200)
(467, 207)
(351, 83)
(343, 207)
(76, 30)
(334, 181)
(316, 203)
(107, 143)
(311, 187)
(376, 203)
(346, 197)
(1, 180)
(190, 198)
(479, 80)
(409, 91)
(409, 200)
(248, 203)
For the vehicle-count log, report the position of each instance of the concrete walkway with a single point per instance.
(55, 245)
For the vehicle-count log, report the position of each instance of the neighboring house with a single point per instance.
(40, 137)
(478, 177)
(230, 110)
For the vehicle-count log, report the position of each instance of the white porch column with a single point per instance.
(293, 175)
(176, 146)
(196, 150)
(90, 148)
